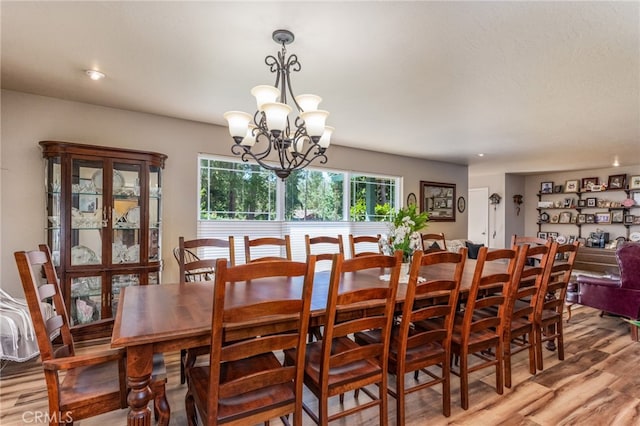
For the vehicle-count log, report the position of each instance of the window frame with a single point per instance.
(280, 190)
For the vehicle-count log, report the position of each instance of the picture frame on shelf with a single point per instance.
(582, 203)
(636, 219)
(572, 239)
(636, 196)
(542, 235)
(603, 217)
(630, 219)
(634, 182)
(617, 216)
(571, 186)
(574, 218)
(592, 202)
(557, 189)
(617, 181)
(546, 188)
(552, 235)
(568, 203)
(588, 183)
(591, 218)
(555, 219)
(581, 218)
(565, 217)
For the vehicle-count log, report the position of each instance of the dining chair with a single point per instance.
(366, 241)
(414, 348)
(433, 242)
(477, 333)
(324, 242)
(245, 381)
(337, 364)
(193, 268)
(91, 383)
(522, 297)
(267, 241)
(551, 297)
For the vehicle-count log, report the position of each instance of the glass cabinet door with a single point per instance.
(86, 300)
(155, 213)
(117, 283)
(87, 211)
(53, 185)
(126, 215)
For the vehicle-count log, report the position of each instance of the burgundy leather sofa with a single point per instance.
(616, 296)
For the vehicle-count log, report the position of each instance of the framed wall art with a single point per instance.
(589, 182)
(634, 182)
(571, 186)
(617, 216)
(437, 199)
(565, 217)
(603, 217)
(546, 188)
(617, 182)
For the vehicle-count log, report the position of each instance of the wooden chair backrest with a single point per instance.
(441, 297)
(519, 240)
(527, 280)
(488, 294)
(364, 239)
(289, 331)
(426, 247)
(192, 267)
(32, 265)
(340, 318)
(309, 241)
(556, 279)
(266, 241)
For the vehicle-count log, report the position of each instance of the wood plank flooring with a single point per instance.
(597, 384)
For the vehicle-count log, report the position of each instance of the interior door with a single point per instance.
(478, 228)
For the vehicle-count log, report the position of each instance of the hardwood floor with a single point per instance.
(597, 384)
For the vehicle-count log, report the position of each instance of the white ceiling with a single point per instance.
(536, 86)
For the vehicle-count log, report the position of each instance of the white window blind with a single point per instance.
(296, 231)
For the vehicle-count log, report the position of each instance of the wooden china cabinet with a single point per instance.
(104, 217)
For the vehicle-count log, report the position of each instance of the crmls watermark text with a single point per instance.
(44, 417)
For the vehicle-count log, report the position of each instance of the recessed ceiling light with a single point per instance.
(481, 154)
(616, 163)
(95, 75)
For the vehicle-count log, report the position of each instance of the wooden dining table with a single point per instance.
(170, 317)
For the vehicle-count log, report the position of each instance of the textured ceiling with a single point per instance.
(535, 86)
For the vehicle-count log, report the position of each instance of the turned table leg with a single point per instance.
(139, 368)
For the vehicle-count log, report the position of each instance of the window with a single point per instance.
(373, 198)
(231, 190)
(243, 199)
(243, 191)
(313, 195)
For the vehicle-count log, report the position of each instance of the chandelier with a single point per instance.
(294, 143)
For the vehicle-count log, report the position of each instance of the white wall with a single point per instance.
(27, 119)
